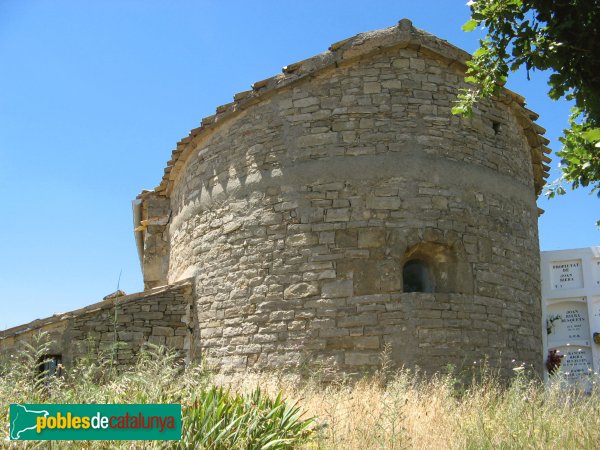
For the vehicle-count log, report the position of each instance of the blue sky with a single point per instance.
(95, 95)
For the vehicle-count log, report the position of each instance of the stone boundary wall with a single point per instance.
(122, 325)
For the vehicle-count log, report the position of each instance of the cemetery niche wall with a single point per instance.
(571, 312)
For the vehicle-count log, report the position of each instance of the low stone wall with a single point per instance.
(118, 326)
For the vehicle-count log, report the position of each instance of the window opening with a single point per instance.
(50, 365)
(416, 277)
(496, 127)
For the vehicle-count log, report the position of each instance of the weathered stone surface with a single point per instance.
(337, 215)
(93, 329)
(301, 290)
(175, 342)
(340, 288)
(358, 170)
(371, 238)
(362, 359)
(383, 202)
(149, 315)
(163, 331)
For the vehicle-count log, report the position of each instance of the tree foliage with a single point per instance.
(557, 35)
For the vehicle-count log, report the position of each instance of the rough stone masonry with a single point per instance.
(339, 208)
(116, 328)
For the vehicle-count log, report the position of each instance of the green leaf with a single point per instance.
(469, 26)
(480, 52)
(592, 135)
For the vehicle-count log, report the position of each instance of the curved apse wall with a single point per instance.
(298, 213)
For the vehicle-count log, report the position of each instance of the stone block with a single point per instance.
(248, 349)
(211, 332)
(370, 308)
(361, 359)
(371, 88)
(326, 237)
(302, 239)
(322, 323)
(296, 325)
(371, 238)
(392, 84)
(156, 340)
(128, 336)
(338, 288)
(346, 238)
(149, 315)
(305, 102)
(364, 319)
(367, 277)
(300, 290)
(384, 202)
(124, 318)
(333, 332)
(366, 342)
(318, 139)
(264, 338)
(175, 342)
(369, 299)
(162, 331)
(337, 215)
(321, 275)
(281, 315)
(352, 343)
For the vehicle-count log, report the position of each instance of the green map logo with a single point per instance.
(95, 422)
(23, 419)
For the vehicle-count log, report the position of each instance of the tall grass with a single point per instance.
(388, 410)
(212, 417)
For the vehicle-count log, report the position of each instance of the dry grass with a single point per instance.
(387, 410)
(403, 410)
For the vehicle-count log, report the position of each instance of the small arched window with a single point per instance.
(417, 276)
(50, 365)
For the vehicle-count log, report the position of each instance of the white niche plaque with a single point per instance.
(567, 321)
(576, 362)
(571, 314)
(567, 274)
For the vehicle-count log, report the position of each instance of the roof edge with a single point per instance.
(402, 35)
(107, 303)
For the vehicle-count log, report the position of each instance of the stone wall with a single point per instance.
(117, 327)
(296, 214)
(155, 216)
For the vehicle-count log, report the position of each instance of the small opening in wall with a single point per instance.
(50, 365)
(417, 276)
(496, 127)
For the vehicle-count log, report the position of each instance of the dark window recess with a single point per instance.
(50, 365)
(496, 127)
(416, 277)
